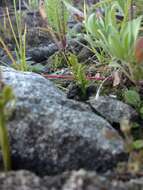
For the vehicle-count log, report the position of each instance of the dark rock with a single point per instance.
(37, 54)
(91, 89)
(42, 53)
(112, 109)
(85, 54)
(50, 134)
(75, 92)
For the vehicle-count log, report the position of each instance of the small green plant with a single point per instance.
(78, 71)
(6, 97)
(58, 61)
(19, 36)
(57, 18)
(133, 98)
(116, 37)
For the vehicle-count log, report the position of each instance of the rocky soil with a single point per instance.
(54, 138)
(58, 143)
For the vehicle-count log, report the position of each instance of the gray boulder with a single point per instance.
(50, 134)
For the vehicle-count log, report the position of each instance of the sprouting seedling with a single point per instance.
(6, 97)
(79, 75)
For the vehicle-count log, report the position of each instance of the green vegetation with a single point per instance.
(112, 33)
(78, 71)
(6, 98)
(116, 37)
(56, 16)
(133, 146)
(19, 36)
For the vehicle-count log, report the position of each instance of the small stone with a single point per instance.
(113, 110)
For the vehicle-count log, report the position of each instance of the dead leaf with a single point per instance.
(116, 78)
(42, 9)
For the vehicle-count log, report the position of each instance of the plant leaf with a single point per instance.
(138, 144)
(132, 97)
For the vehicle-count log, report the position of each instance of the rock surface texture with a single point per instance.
(21, 180)
(112, 109)
(74, 180)
(50, 134)
(83, 180)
